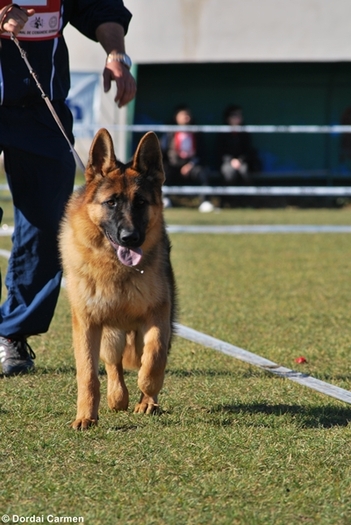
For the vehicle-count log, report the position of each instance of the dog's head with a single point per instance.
(125, 200)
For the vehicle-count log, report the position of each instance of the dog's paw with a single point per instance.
(118, 403)
(147, 408)
(83, 424)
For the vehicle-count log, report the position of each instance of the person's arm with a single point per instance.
(111, 37)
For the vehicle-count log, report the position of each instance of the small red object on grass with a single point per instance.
(301, 360)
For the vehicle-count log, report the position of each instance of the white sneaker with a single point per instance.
(206, 207)
(167, 202)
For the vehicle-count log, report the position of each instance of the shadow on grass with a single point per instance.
(126, 428)
(54, 370)
(307, 417)
(61, 370)
(208, 373)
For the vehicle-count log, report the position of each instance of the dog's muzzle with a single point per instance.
(127, 255)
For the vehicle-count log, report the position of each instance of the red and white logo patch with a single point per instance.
(44, 24)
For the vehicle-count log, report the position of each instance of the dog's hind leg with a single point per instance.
(86, 342)
(153, 365)
(132, 351)
(112, 345)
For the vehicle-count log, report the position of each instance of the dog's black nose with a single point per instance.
(129, 237)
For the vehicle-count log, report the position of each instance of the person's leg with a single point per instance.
(231, 177)
(173, 178)
(40, 187)
(40, 170)
(200, 175)
(227, 171)
(1, 213)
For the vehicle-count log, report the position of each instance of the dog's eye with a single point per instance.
(139, 202)
(111, 203)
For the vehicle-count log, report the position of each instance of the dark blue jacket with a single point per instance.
(49, 58)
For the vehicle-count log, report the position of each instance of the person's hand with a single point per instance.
(126, 87)
(13, 19)
(185, 170)
(235, 163)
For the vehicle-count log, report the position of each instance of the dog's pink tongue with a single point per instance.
(128, 256)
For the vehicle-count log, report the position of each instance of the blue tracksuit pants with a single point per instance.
(40, 170)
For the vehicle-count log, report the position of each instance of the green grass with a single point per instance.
(260, 216)
(234, 445)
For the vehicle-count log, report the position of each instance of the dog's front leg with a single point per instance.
(112, 344)
(86, 341)
(153, 365)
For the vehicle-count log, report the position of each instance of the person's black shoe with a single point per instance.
(16, 356)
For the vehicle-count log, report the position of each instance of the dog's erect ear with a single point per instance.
(148, 157)
(101, 155)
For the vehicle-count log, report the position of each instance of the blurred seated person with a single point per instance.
(182, 156)
(237, 158)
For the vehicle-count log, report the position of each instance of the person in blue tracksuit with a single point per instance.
(39, 165)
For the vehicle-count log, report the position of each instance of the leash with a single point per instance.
(48, 102)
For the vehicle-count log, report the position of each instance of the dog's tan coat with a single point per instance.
(119, 314)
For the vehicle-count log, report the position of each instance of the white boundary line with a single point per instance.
(220, 128)
(6, 231)
(305, 191)
(253, 359)
(318, 191)
(239, 229)
(260, 228)
(264, 364)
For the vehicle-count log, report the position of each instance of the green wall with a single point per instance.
(270, 93)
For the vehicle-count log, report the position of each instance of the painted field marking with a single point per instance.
(260, 228)
(6, 231)
(265, 364)
(276, 191)
(5, 253)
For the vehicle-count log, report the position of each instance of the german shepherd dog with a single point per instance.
(116, 258)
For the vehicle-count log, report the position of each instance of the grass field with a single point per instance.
(234, 445)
